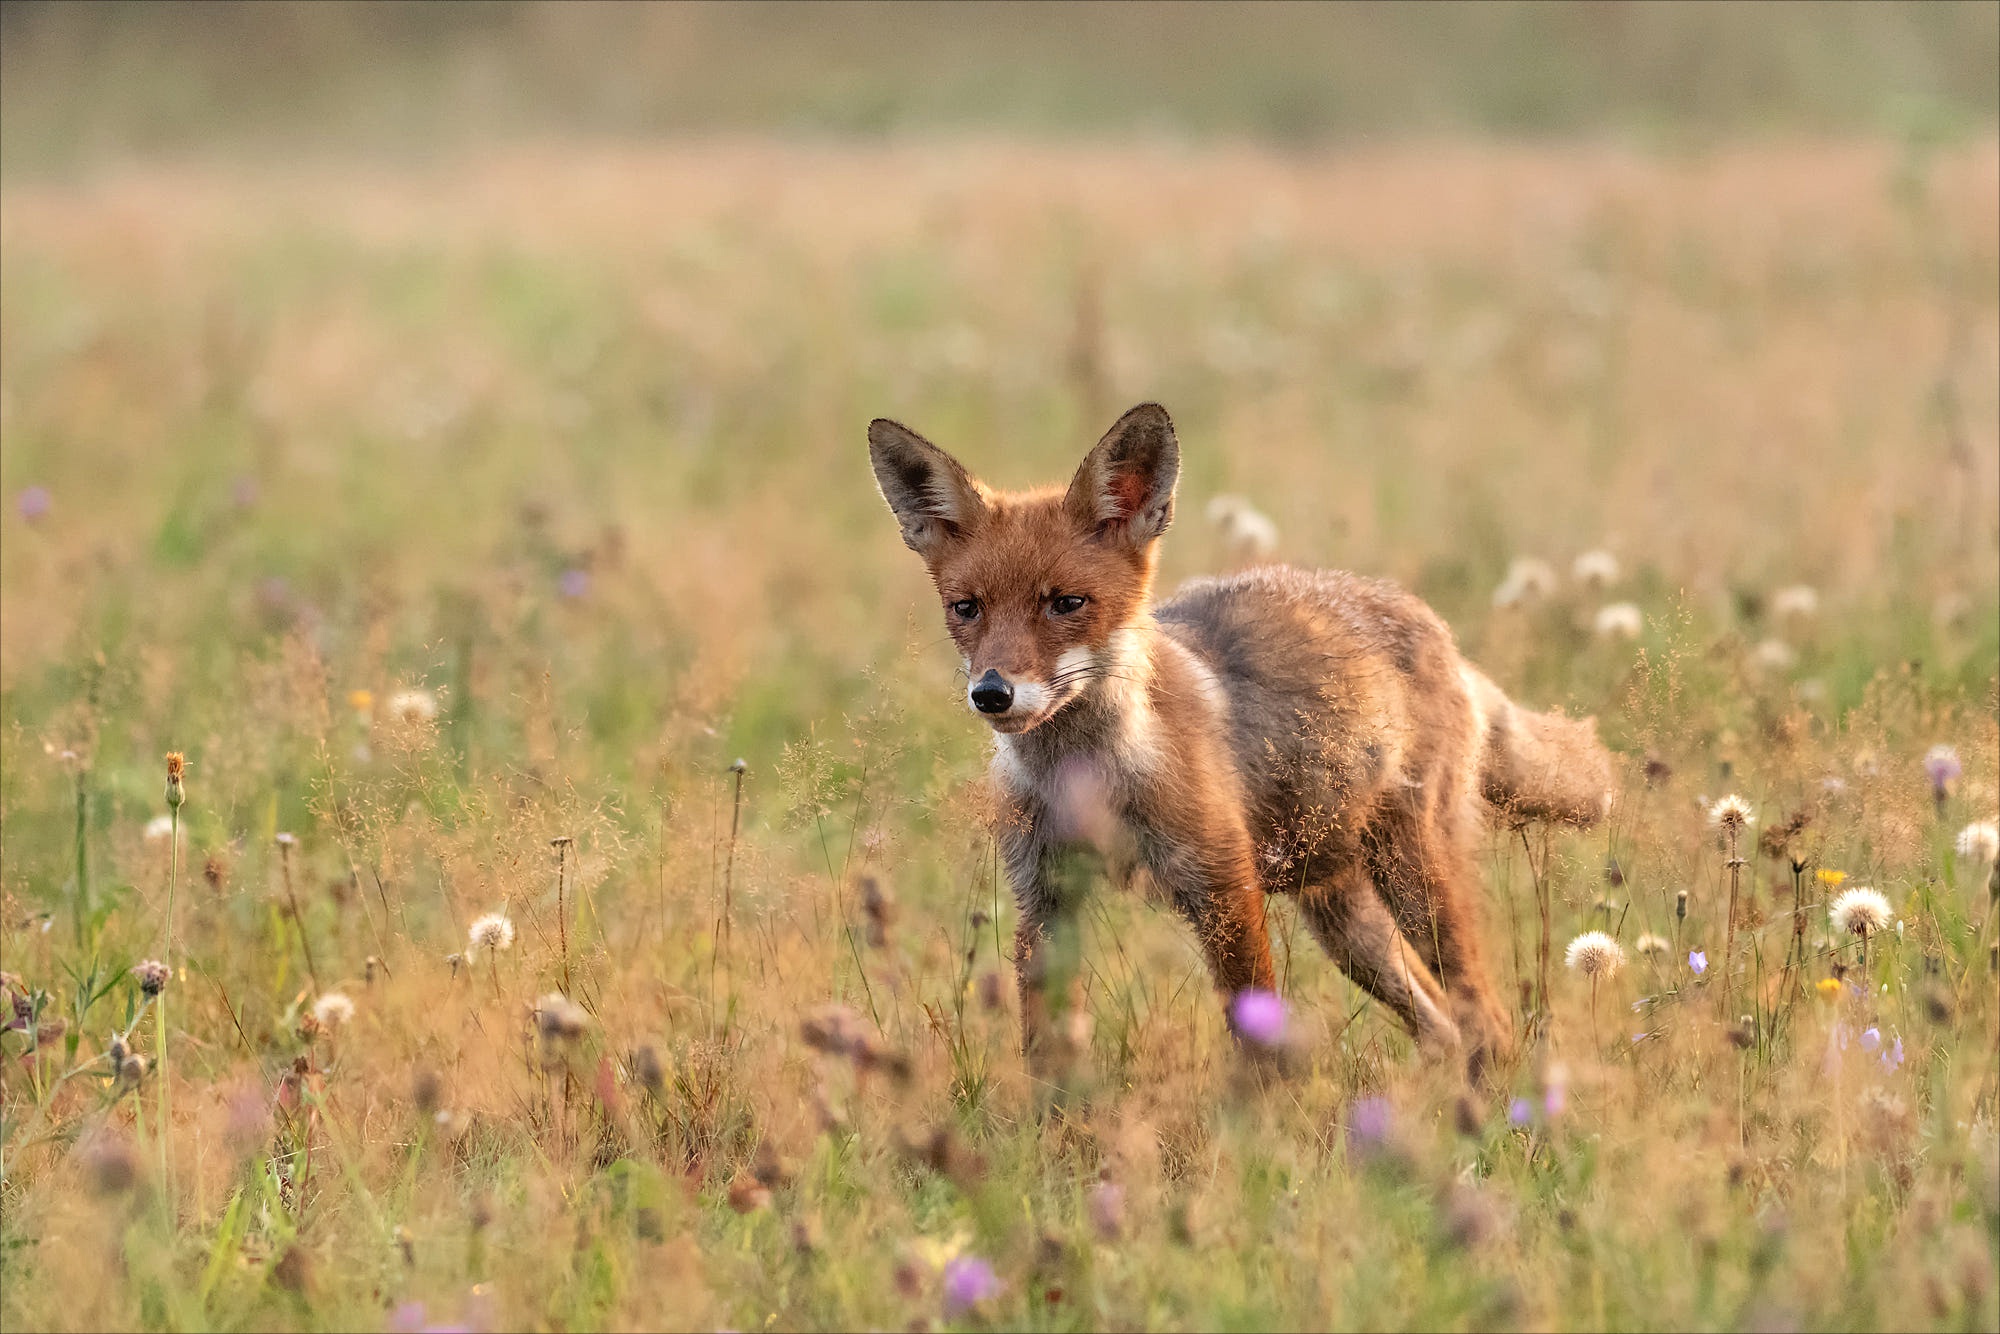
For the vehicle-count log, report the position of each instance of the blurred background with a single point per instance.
(87, 82)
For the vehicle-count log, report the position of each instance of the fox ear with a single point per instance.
(1126, 484)
(933, 497)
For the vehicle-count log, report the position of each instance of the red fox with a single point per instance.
(1280, 730)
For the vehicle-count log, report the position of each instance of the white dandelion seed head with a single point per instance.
(560, 1018)
(1861, 911)
(1619, 620)
(1731, 812)
(1980, 841)
(1774, 655)
(1652, 946)
(333, 1009)
(1795, 602)
(413, 706)
(159, 829)
(1595, 569)
(1246, 530)
(493, 932)
(1529, 579)
(1594, 954)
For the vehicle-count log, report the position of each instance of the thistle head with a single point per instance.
(1731, 813)
(1595, 955)
(152, 976)
(176, 769)
(1861, 912)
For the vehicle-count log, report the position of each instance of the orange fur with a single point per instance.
(1279, 730)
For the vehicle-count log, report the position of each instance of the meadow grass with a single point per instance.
(463, 527)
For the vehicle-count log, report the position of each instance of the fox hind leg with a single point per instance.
(1354, 926)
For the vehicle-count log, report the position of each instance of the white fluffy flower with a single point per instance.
(413, 706)
(493, 932)
(1595, 569)
(1619, 620)
(1732, 812)
(1798, 602)
(1980, 841)
(1246, 531)
(1861, 912)
(1528, 579)
(159, 829)
(1594, 954)
(1774, 655)
(1650, 945)
(332, 1009)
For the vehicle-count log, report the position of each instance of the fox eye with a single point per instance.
(1067, 603)
(966, 609)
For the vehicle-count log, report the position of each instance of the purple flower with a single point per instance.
(968, 1281)
(1893, 1058)
(1259, 1016)
(407, 1318)
(243, 492)
(1519, 1111)
(1941, 763)
(1871, 1039)
(575, 583)
(34, 503)
(1368, 1121)
(1698, 961)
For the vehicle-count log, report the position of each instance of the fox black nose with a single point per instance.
(992, 694)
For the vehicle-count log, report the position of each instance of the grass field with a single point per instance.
(463, 523)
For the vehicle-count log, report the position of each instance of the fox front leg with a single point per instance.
(1046, 943)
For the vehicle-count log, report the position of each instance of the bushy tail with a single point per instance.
(1540, 766)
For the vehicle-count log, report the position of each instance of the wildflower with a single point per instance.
(1528, 579)
(333, 1009)
(152, 976)
(1106, 1205)
(1246, 531)
(1259, 1016)
(1941, 764)
(176, 767)
(1828, 988)
(832, 1029)
(1871, 1039)
(559, 1018)
(1860, 911)
(1369, 1121)
(1829, 877)
(1697, 962)
(362, 702)
(574, 584)
(1651, 945)
(1681, 906)
(1797, 602)
(968, 1282)
(1892, 1059)
(1618, 620)
(492, 933)
(1595, 955)
(1979, 841)
(159, 829)
(413, 706)
(1555, 1090)
(1731, 812)
(1774, 655)
(1519, 1112)
(34, 503)
(1596, 569)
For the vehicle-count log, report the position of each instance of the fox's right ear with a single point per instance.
(934, 499)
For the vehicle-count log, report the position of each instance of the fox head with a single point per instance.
(1037, 586)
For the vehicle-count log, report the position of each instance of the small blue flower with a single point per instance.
(1893, 1058)
(1698, 961)
(1368, 1122)
(575, 583)
(1519, 1112)
(1871, 1039)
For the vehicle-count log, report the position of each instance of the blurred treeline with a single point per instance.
(87, 82)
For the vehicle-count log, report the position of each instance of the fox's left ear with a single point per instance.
(1126, 484)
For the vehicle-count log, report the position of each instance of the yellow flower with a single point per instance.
(1830, 877)
(1827, 987)
(361, 701)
